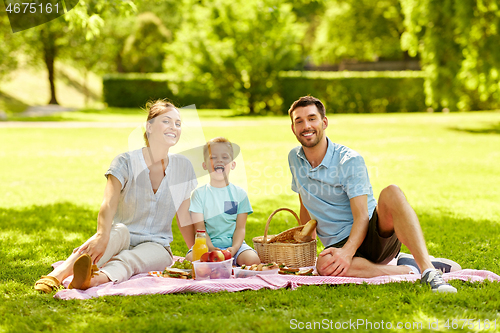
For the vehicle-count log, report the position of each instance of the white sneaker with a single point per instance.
(442, 264)
(434, 278)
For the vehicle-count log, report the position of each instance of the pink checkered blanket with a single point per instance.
(144, 284)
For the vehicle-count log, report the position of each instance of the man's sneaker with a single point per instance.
(442, 264)
(434, 278)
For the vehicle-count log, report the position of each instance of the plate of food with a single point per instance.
(305, 271)
(177, 273)
(249, 271)
(184, 265)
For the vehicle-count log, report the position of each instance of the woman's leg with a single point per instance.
(143, 258)
(119, 240)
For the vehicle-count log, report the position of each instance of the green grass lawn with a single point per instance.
(447, 165)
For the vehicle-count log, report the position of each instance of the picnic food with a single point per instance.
(220, 273)
(204, 257)
(200, 245)
(177, 273)
(203, 271)
(283, 247)
(185, 264)
(216, 256)
(261, 267)
(305, 235)
(227, 254)
(300, 234)
(213, 270)
(284, 270)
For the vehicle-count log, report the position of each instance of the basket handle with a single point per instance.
(271, 216)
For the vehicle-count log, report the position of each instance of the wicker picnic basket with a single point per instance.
(291, 254)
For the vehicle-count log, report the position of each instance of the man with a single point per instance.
(359, 235)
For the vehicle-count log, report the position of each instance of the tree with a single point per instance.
(143, 51)
(359, 29)
(11, 44)
(234, 50)
(51, 40)
(459, 44)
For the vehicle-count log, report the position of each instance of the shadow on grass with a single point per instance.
(33, 238)
(490, 129)
(77, 85)
(472, 243)
(11, 105)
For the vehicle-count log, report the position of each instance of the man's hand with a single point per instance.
(334, 261)
(94, 247)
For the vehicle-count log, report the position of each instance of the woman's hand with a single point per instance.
(94, 247)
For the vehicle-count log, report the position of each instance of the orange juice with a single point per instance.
(200, 245)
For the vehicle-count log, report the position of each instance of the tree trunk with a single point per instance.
(119, 64)
(49, 56)
(85, 87)
(251, 103)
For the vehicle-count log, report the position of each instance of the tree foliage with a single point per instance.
(359, 29)
(143, 50)
(459, 44)
(68, 35)
(10, 45)
(234, 49)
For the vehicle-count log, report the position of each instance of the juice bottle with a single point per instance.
(200, 245)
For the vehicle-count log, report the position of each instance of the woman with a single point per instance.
(144, 190)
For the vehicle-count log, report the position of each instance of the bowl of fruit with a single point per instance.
(213, 265)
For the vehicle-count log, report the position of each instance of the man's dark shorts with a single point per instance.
(375, 248)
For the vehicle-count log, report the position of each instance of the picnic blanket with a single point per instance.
(144, 284)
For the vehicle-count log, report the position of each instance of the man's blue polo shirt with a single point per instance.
(327, 189)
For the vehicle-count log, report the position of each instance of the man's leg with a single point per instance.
(396, 215)
(363, 268)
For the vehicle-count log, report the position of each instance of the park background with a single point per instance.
(398, 79)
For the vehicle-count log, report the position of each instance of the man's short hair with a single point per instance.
(305, 101)
(219, 139)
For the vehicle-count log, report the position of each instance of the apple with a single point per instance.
(216, 256)
(204, 257)
(203, 271)
(216, 274)
(227, 254)
(225, 274)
